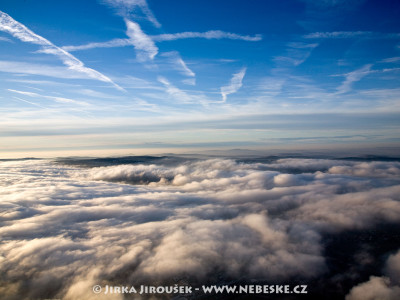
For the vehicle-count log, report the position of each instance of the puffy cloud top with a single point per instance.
(66, 228)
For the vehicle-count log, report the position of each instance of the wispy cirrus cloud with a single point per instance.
(4, 39)
(351, 34)
(189, 81)
(352, 77)
(21, 32)
(40, 69)
(185, 69)
(234, 85)
(127, 8)
(29, 102)
(337, 34)
(390, 60)
(211, 34)
(41, 82)
(296, 53)
(54, 98)
(270, 86)
(174, 92)
(109, 44)
(334, 4)
(179, 64)
(144, 46)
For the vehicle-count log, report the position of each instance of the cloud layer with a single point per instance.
(66, 228)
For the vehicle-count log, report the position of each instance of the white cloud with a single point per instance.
(391, 59)
(234, 85)
(178, 63)
(40, 69)
(18, 30)
(390, 70)
(270, 86)
(95, 94)
(337, 34)
(385, 287)
(4, 39)
(144, 46)
(375, 288)
(211, 34)
(128, 7)
(371, 169)
(189, 81)
(351, 34)
(340, 5)
(29, 102)
(38, 82)
(300, 45)
(289, 60)
(54, 98)
(69, 226)
(296, 53)
(352, 77)
(392, 268)
(177, 94)
(109, 44)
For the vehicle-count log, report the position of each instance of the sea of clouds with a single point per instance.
(65, 227)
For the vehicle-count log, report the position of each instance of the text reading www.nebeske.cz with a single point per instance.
(212, 289)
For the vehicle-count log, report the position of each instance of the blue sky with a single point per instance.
(134, 77)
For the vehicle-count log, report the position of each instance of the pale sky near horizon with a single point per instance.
(130, 76)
